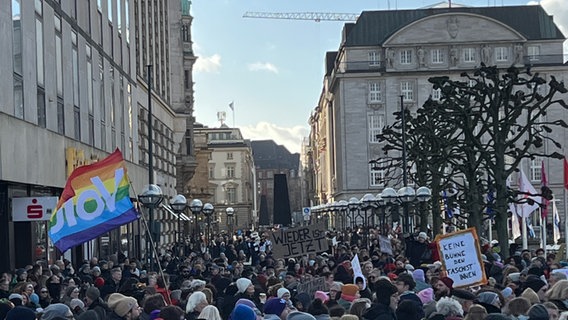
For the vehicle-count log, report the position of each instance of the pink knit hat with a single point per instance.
(322, 296)
(426, 295)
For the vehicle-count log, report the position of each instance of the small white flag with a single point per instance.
(556, 221)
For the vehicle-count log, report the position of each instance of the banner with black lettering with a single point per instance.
(460, 255)
(299, 241)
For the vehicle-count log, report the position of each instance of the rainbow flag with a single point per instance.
(95, 200)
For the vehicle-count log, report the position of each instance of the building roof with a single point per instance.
(374, 27)
(268, 154)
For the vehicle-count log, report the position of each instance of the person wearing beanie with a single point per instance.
(123, 307)
(465, 298)
(405, 285)
(298, 315)
(335, 291)
(417, 250)
(537, 285)
(530, 295)
(95, 303)
(56, 310)
(77, 306)
(419, 278)
(247, 303)
(538, 312)
(443, 287)
(426, 295)
(283, 293)
(385, 303)
(243, 285)
(276, 309)
(243, 312)
(322, 296)
(195, 304)
(490, 300)
(21, 313)
(349, 292)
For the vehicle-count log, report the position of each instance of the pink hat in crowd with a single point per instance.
(426, 295)
(322, 296)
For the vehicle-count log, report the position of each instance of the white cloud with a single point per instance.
(291, 138)
(263, 66)
(208, 64)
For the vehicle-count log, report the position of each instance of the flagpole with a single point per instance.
(565, 224)
(524, 233)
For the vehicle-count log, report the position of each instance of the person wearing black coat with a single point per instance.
(385, 303)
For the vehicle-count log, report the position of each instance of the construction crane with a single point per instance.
(315, 16)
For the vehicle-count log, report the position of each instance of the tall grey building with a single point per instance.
(73, 87)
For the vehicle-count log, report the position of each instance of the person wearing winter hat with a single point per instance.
(244, 284)
(385, 303)
(530, 295)
(16, 298)
(250, 304)
(420, 280)
(243, 312)
(211, 312)
(21, 313)
(283, 293)
(426, 295)
(349, 292)
(465, 298)
(538, 312)
(195, 304)
(490, 300)
(443, 287)
(276, 309)
(405, 285)
(56, 310)
(77, 306)
(298, 315)
(123, 307)
(335, 291)
(322, 296)
(537, 285)
(95, 303)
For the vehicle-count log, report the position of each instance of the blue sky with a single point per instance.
(273, 69)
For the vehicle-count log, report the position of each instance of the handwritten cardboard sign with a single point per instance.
(461, 257)
(299, 241)
(310, 287)
(385, 245)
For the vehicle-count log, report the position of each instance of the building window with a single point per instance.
(231, 195)
(75, 64)
(406, 90)
(60, 116)
(41, 110)
(377, 176)
(535, 169)
(211, 171)
(109, 10)
(533, 52)
(374, 58)
(230, 171)
(39, 52)
(17, 59)
(58, 56)
(375, 94)
(376, 124)
(436, 94)
(501, 54)
(77, 122)
(405, 56)
(469, 55)
(229, 156)
(437, 56)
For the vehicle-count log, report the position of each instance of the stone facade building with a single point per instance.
(388, 54)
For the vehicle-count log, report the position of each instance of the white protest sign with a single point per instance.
(385, 245)
(461, 257)
(357, 271)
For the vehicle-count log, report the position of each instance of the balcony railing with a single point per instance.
(545, 60)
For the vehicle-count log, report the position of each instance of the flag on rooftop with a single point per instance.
(95, 200)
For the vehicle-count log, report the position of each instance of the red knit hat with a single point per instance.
(99, 282)
(448, 282)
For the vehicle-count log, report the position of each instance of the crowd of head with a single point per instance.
(240, 279)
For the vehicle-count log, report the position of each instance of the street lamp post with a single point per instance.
(368, 202)
(179, 204)
(151, 198)
(353, 206)
(208, 210)
(343, 206)
(195, 207)
(230, 212)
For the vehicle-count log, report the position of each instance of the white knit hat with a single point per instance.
(243, 284)
(281, 292)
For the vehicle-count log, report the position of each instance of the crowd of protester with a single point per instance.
(238, 278)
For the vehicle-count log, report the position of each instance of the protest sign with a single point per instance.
(385, 245)
(311, 286)
(299, 241)
(357, 272)
(461, 257)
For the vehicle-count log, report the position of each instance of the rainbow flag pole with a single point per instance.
(95, 200)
